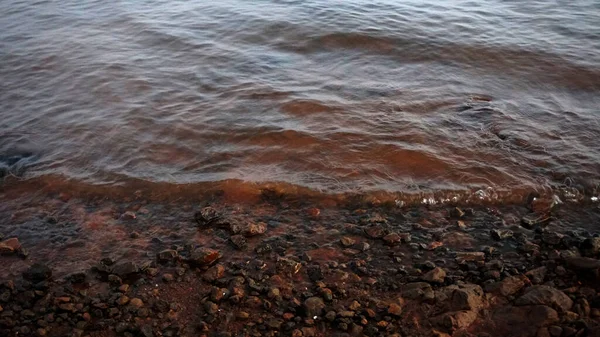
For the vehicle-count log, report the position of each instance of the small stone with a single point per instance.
(125, 269)
(463, 257)
(392, 239)
(168, 278)
(509, 286)
(457, 213)
(167, 255)
(124, 288)
(114, 280)
(254, 229)
(394, 309)
(375, 232)
(354, 305)
(207, 216)
(205, 256)
(330, 316)
(537, 275)
(214, 273)
(501, 234)
(136, 303)
(555, 330)
(123, 300)
(364, 246)
(10, 246)
(129, 215)
(314, 306)
(211, 307)
(313, 212)
(347, 241)
(243, 315)
(239, 241)
(436, 275)
(273, 293)
(551, 238)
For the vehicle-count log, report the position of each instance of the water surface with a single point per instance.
(415, 97)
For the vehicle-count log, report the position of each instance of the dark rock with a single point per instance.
(591, 246)
(204, 256)
(125, 269)
(552, 238)
(455, 320)
(582, 263)
(239, 242)
(314, 306)
(547, 296)
(168, 277)
(37, 273)
(211, 308)
(531, 220)
(167, 255)
(207, 216)
(555, 331)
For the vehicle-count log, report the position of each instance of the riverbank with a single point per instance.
(283, 267)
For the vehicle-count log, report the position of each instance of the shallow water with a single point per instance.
(415, 97)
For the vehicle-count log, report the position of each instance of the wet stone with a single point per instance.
(37, 273)
(214, 273)
(375, 232)
(204, 256)
(125, 269)
(167, 255)
(392, 239)
(239, 242)
(207, 216)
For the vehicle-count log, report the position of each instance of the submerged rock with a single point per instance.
(38, 272)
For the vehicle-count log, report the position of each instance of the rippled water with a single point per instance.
(334, 96)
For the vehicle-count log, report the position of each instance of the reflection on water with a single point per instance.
(412, 97)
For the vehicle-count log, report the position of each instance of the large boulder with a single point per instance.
(545, 295)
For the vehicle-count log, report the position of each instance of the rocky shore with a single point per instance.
(359, 271)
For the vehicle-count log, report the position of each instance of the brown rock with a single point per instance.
(466, 297)
(347, 241)
(455, 320)
(375, 231)
(463, 257)
(10, 246)
(136, 303)
(545, 295)
(436, 275)
(394, 309)
(392, 239)
(204, 256)
(509, 286)
(214, 273)
(253, 229)
(313, 212)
